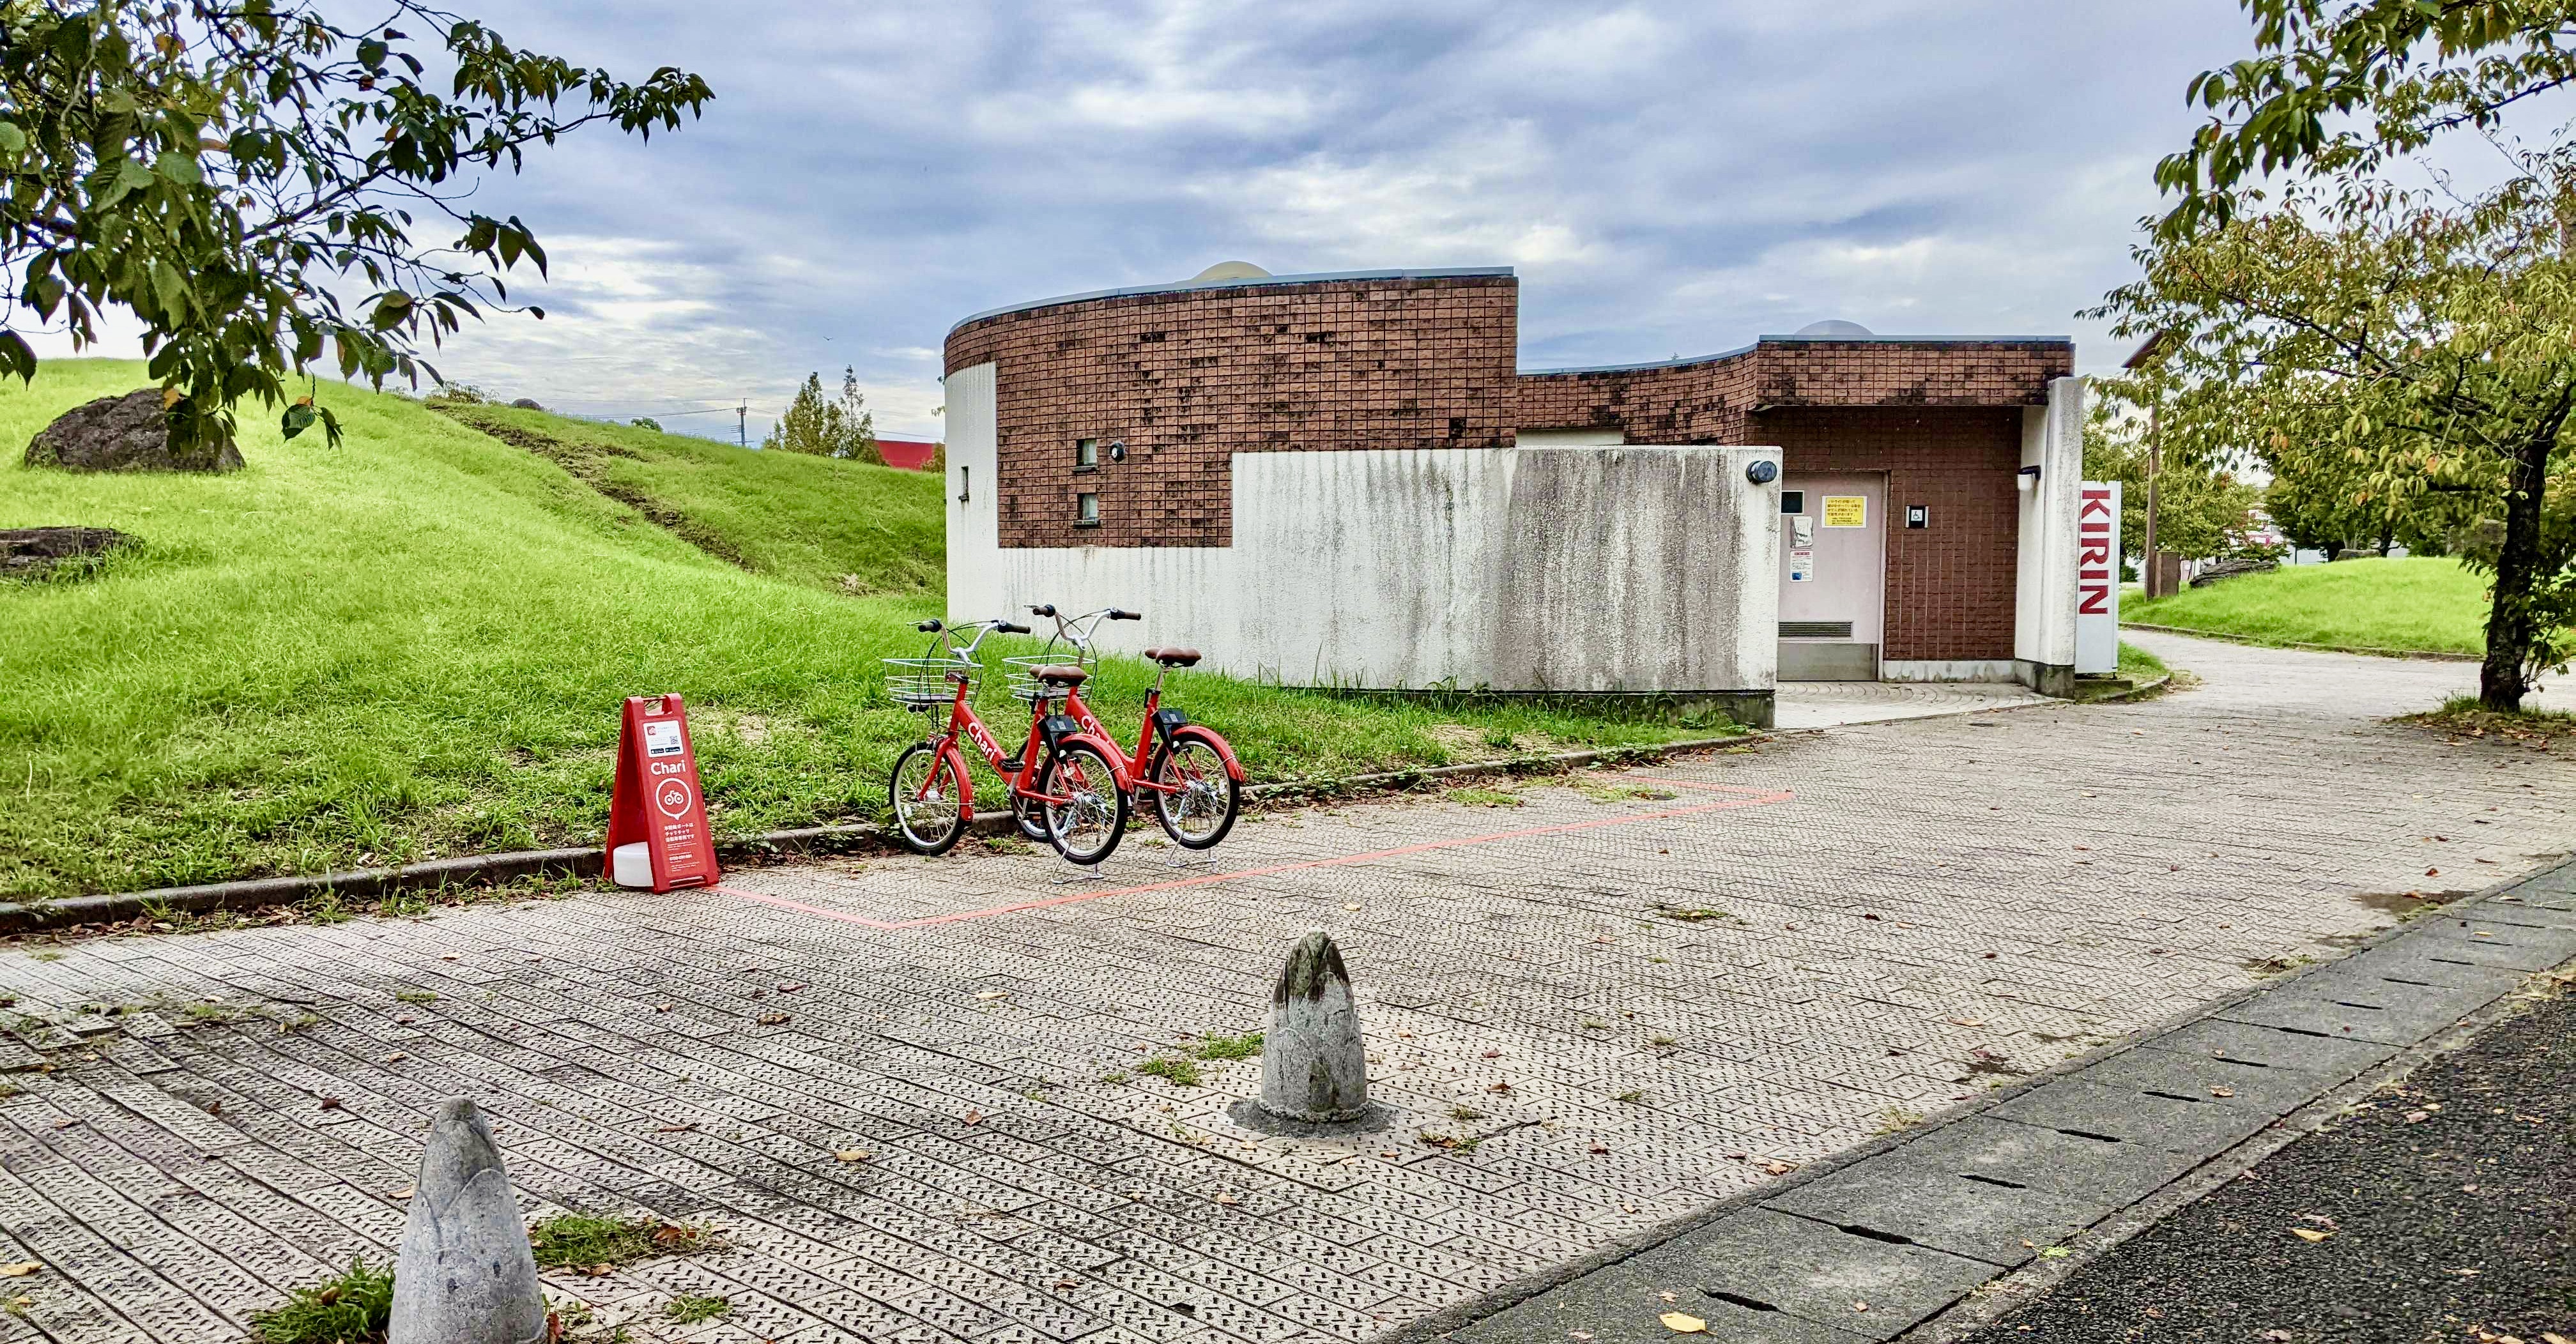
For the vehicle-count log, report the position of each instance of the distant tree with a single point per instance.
(2204, 511)
(824, 426)
(646, 422)
(244, 176)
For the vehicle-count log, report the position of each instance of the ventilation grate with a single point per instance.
(1815, 629)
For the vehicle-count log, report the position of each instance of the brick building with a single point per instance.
(1346, 479)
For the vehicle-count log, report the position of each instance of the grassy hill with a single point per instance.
(844, 526)
(415, 644)
(2428, 605)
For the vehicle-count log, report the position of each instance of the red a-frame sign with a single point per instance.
(656, 801)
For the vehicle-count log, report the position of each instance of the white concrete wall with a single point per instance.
(1571, 569)
(2044, 586)
(1639, 568)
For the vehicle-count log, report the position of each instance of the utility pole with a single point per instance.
(742, 429)
(2142, 362)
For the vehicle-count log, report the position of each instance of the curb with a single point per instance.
(438, 875)
(2421, 655)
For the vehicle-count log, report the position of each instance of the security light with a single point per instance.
(1762, 472)
(2028, 480)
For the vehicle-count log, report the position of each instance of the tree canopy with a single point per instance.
(248, 176)
(826, 426)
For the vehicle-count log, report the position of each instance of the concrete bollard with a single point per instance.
(465, 1274)
(1313, 1067)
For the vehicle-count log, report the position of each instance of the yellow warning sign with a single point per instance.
(1846, 510)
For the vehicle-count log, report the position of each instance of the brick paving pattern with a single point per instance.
(1909, 910)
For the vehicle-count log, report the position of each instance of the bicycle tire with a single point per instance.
(927, 837)
(1204, 782)
(1095, 804)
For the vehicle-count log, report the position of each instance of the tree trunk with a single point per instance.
(2501, 680)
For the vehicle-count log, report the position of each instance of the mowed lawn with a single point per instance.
(415, 644)
(2424, 605)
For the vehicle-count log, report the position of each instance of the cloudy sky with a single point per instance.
(1667, 178)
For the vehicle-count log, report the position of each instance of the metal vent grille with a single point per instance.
(1815, 629)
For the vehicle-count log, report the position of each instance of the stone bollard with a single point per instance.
(1313, 1067)
(465, 1274)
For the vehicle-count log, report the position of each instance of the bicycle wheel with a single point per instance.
(1087, 825)
(1202, 806)
(924, 794)
(1031, 817)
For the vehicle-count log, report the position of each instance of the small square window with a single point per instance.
(1086, 454)
(1086, 510)
(1793, 501)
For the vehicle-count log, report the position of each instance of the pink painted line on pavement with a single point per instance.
(1750, 797)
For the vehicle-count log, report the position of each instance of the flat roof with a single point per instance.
(1760, 341)
(1249, 282)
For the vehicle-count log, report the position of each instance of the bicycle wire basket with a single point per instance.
(917, 683)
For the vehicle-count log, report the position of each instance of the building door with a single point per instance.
(1833, 575)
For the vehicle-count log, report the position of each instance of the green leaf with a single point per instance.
(180, 168)
(12, 140)
(133, 176)
(298, 418)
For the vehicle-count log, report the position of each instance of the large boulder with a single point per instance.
(127, 433)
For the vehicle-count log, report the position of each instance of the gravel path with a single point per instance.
(2448, 1204)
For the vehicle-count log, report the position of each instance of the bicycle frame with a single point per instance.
(1133, 771)
(1019, 776)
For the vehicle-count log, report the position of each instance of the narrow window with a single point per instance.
(1086, 510)
(1086, 454)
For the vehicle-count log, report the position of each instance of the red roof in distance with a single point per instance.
(910, 454)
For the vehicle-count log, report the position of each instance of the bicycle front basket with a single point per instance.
(925, 681)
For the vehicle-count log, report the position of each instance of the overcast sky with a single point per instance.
(1667, 179)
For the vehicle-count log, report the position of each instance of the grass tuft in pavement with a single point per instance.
(354, 1307)
(691, 1308)
(581, 1241)
(1244, 1046)
(2467, 716)
(1177, 1072)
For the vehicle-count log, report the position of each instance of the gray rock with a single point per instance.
(527, 404)
(127, 433)
(49, 552)
(465, 1274)
(1313, 1066)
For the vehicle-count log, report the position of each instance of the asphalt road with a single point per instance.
(2447, 1205)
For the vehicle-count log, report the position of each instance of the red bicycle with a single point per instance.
(1188, 770)
(1064, 777)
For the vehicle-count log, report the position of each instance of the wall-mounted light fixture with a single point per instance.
(1117, 450)
(2028, 480)
(1762, 471)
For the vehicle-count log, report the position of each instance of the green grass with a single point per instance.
(1244, 1046)
(354, 1307)
(2424, 605)
(2140, 666)
(414, 645)
(691, 1308)
(581, 1241)
(847, 527)
(1177, 1072)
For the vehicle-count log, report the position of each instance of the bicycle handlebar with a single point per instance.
(929, 627)
(1009, 629)
(1116, 615)
(1047, 610)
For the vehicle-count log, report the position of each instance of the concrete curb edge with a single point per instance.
(2422, 655)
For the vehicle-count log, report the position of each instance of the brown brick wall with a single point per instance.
(1189, 378)
(1712, 401)
(1950, 585)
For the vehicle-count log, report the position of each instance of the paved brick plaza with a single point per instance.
(1910, 910)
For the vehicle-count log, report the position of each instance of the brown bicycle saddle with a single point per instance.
(1174, 657)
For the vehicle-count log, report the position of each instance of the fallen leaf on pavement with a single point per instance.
(396, 1057)
(21, 1269)
(1680, 1324)
(2055, 1253)
(772, 1019)
(1579, 1336)
(331, 1103)
(2309, 1234)
(993, 994)
(974, 1117)
(1967, 1022)
(599, 1270)
(1227, 1199)
(1778, 1168)
(854, 1155)
(682, 1128)
(405, 1193)
(1601, 1148)
(2222, 1091)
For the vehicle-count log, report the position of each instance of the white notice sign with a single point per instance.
(1802, 566)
